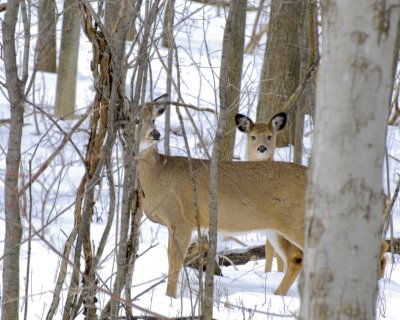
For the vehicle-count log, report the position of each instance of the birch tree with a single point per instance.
(344, 199)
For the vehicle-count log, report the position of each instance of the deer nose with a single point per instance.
(155, 135)
(262, 149)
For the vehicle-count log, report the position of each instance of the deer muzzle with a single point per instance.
(262, 149)
(155, 135)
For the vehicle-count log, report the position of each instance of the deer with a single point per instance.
(252, 196)
(260, 146)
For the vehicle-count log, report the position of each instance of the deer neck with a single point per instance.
(151, 164)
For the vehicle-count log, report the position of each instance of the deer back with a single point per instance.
(251, 195)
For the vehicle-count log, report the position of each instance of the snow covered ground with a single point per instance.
(245, 293)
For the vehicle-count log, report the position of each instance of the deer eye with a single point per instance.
(253, 137)
(269, 137)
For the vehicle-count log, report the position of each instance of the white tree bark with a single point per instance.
(344, 198)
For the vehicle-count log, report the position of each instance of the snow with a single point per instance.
(244, 292)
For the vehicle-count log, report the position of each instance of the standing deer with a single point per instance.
(260, 146)
(252, 196)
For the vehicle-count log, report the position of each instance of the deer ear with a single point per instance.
(278, 122)
(162, 98)
(159, 107)
(243, 123)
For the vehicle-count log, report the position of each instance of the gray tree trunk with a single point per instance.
(12, 241)
(281, 70)
(168, 42)
(308, 41)
(208, 299)
(111, 14)
(230, 76)
(68, 61)
(46, 49)
(231, 72)
(345, 195)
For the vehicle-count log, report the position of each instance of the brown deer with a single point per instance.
(260, 146)
(252, 196)
(260, 137)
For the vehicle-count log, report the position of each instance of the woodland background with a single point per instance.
(74, 244)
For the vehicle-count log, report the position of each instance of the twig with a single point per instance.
(63, 271)
(148, 289)
(255, 39)
(180, 104)
(147, 250)
(187, 112)
(289, 104)
(28, 262)
(37, 231)
(67, 138)
(223, 3)
(236, 240)
(389, 207)
(27, 37)
(4, 121)
(229, 260)
(227, 304)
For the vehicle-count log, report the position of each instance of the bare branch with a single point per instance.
(66, 139)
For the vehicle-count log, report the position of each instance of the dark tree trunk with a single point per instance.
(10, 295)
(46, 43)
(231, 72)
(281, 68)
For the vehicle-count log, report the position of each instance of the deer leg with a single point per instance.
(293, 258)
(280, 263)
(178, 243)
(384, 248)
(269, 255)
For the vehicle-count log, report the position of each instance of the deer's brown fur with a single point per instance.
(260, 146)
(252, 196)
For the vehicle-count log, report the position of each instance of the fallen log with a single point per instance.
(196, 258)
(240, 256)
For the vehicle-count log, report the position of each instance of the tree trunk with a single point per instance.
(12, 241)
(111, 14)
(46, 43)
(68, 61)
(167, 40)
(280, 72)
(308, 53)
(208, 301)
(231, 72)
(130, 182)
(345, 195)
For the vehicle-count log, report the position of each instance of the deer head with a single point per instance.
(261, 137)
